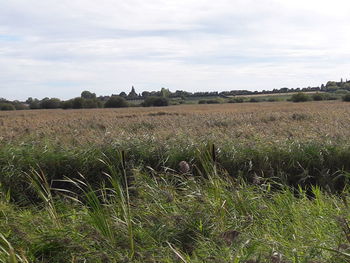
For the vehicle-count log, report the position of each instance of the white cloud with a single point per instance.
(58, 48)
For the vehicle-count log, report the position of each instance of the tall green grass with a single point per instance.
(290, 163)
(235, 204)
(175, 217)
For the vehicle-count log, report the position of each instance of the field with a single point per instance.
(247, 182)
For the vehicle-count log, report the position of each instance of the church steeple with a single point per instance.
(132, 93)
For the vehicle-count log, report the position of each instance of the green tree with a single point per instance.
(116, 102)
(300, 97)
(165, 93)
(6, 106)
(88, 95)
(346, 97)
(155, 101)
(317, 96)
(34, 104)
(77, 103)
(52, 103)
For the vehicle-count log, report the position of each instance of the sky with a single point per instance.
(58, 48)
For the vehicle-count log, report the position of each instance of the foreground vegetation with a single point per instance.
(168, 217)
(206, 183)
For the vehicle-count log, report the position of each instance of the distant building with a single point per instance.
(132, 94)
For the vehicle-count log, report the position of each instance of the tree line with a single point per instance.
(162, 97)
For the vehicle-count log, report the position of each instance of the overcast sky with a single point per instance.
(58, 48)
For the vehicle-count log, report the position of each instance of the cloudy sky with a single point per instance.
(58, 48)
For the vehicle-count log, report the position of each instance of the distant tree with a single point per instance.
(300, 97)
(29, 100)
(123, 94)
(116, 102)
(6, 107)
(145, 94)
(317, 96)
(347, 86)
(68, 104)
(165, 93)
(346, 97)
(91, 103)
(155, 101)
(34, 104)
(253, 100)
(20, 106)
(88, 95)
(77, 103)
(52, 103)
(236, 100)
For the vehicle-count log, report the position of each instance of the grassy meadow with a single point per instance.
(241, 183)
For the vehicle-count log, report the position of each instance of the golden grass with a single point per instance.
(328, 120)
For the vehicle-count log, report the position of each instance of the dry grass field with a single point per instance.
(247, 122)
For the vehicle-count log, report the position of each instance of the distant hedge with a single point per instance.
(7, 106)
(346, 97)
(212, 101)
(300, 97)
(155, 101)
(116, 102)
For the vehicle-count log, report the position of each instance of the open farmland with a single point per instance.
(257, 182)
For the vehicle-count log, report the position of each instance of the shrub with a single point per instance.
(116, 102)
(341, 91)
(236, 100)
(317, 97)
(91, 103)
(155, 101)
(20, 106)
(210, 101)
(253, 100)
(346, 97)
(77, 103)
(35, 104)
(50, 103)
(271, 99)
(68, 104)
(329, 97)
(213, 101)
(7, 106)
(300, 97)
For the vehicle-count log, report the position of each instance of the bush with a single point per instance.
(329, 97)
(20, 106)
(77, 103)
(116, 102)
(81, 103)
(300, 97)
(68, 104)
(50, 103)
(341, 91)
(236, 100)
(34, 105)
(91, 103)
(7, 106)
(212, 101)
(272, 99)
(346, 97)
(253, 100)
(155, 101)
(318, 97)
